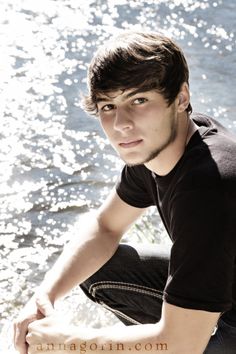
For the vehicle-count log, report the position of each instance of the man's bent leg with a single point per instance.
(131, 283)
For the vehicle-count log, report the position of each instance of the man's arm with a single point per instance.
(98, 239)
(180, 331)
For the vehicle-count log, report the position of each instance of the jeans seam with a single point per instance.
(119, 313)
(124, 286)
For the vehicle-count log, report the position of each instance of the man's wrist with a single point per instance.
(43, 291)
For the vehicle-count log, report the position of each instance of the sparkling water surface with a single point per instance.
(55, 161)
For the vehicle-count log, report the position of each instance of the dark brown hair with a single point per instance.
(136, 60)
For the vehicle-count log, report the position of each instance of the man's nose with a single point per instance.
(123, 120)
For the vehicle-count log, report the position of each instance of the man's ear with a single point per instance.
(183, 97)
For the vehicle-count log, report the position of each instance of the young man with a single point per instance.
(182, 301)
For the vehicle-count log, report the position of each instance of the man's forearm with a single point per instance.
(145, 338)
(131, 339)
(179, 331)
(82, 257)
(150, 338)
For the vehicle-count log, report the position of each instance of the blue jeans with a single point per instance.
(131, 285)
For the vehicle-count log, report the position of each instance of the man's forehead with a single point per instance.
(123, 94)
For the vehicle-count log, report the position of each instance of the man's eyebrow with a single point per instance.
(103, 99)
(134, 92)
(124, 97)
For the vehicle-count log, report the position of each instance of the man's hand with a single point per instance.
(37, 308)
(48, 334)
(55, 334)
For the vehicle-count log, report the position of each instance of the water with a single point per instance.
(55, 161)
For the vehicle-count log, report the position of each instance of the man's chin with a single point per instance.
(132, 162)
(138, 161)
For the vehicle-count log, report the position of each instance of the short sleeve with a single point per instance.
(132, 187)
(201, 270)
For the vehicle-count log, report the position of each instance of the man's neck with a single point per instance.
(169, 157)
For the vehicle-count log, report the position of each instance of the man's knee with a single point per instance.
(107, 272)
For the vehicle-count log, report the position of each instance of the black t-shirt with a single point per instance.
(197, 204)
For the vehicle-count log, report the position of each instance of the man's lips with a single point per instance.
(131, 143)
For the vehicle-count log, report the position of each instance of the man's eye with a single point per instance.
(139, 100)
(107, 107)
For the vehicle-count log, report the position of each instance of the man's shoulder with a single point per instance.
(209, 158)
(135, 186)
(210, 126)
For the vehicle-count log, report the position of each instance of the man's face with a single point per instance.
(138, 125)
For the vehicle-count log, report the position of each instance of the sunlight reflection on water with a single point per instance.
(55, 161)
